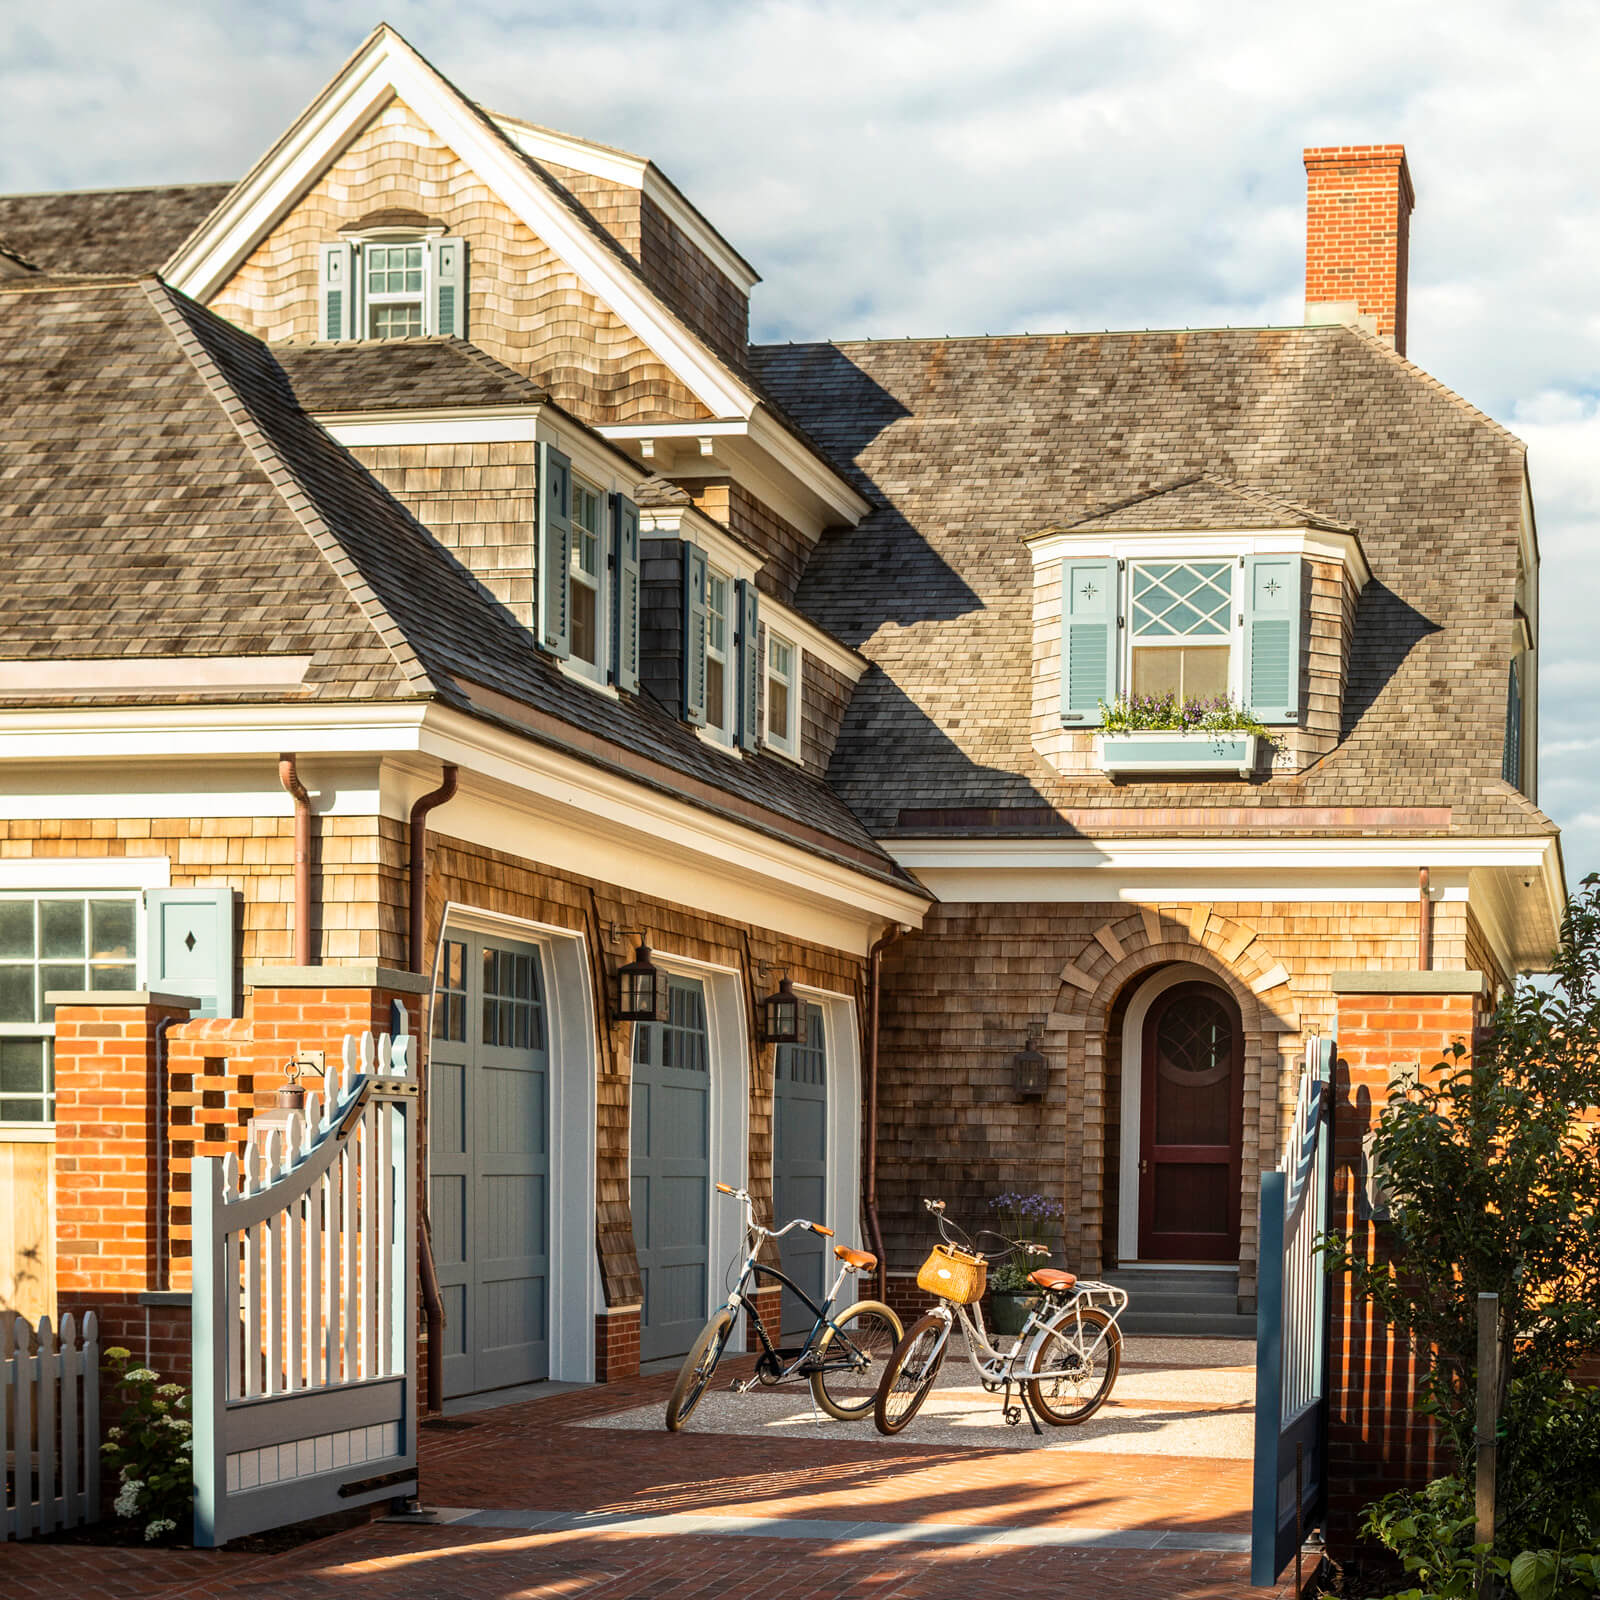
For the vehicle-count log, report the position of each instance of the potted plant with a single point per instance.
(1151, 733)
(1033, 1219)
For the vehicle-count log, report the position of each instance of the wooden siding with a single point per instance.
(27, 1228)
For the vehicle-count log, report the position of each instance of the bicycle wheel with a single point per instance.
(910, 1373)
(874, 1330)
(698, 1365)
(1073, 1365)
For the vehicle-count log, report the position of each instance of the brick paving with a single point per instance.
(531, 1458)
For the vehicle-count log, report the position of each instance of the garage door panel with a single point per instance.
(447, 1206)
(513, 1222)
(453, 1297)
(447, 1108)
(800, 1163)
(802, 1132)
(643, 1102)
(679, 1123)
(679, 1294)
(678, 1212)
(514, 1110)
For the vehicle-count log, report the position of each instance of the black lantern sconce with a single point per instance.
(1030, 1073)
(783, 1016)
(641, 990)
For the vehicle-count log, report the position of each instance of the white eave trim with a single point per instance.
(849, 664)
(390, 67)
(730, 556)
(1323, 544)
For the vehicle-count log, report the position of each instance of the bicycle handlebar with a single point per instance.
(770, 1233)
(968, 1241)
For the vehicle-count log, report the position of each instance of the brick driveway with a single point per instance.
(611, 1513)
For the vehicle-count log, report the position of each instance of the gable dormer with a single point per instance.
(1201, 590)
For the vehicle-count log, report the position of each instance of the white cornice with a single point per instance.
(1318, 543)
(849, 664)
(728, 555)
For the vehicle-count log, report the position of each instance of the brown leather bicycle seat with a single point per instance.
(856, 1258)
(1053, 1278)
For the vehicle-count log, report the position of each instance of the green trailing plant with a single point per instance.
(150, 1448)
(1030, 1219)
(1166, 713)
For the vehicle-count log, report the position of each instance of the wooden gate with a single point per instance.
(1291, 1445)
(49, 1426)
(304, 1341)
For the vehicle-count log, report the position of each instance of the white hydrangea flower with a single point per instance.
(140, 1375)
(128, 1500)
(161, 1525)
(177, 1424)
(168, 1390)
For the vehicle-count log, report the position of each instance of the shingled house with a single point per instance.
(421, 595)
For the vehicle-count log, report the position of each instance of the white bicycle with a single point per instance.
(1063, 1363)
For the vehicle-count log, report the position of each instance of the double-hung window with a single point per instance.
(1180, 629)
(588, 575)
(718, 678)
(783, 694)
(394, 284)
(393, 289)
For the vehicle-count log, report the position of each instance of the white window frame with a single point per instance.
(599, 670)
(1233, 639)
(724, 655)
(785, 746)
(369, 301)
(45, 1027)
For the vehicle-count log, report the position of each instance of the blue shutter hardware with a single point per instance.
(749, 662)
(1271, 678)
(336, 292)
(694, 634)
(1088, 639)
(553, 582)
(625, 595)
(450, 286)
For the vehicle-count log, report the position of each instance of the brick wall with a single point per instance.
(1358, 229)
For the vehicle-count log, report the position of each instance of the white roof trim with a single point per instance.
(388, 65)
(727, 554)
(637, 172)
(802, 631)
(1319, 543)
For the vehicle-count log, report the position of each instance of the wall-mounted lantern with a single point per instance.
(641, 990)
(783, 1016)
(1030, 1073)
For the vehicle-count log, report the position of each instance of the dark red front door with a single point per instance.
(1191, 1135)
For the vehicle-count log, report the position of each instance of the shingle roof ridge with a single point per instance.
(480, 357)
(1258, 494)
(1058, 333)
(45, 282)
(114, 188)
(283, 477)
(11, 253)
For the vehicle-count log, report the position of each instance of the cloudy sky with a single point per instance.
(953, 168)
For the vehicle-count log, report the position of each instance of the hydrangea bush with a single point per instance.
(1030, 1219)
(1166, 713)
(150, 1449)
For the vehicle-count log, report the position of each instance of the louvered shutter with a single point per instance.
(749, 663)
(554, 578)
(694, 634)
(625, 594)
(1272, 637)
(1511, 757)
(1088, 639)
(190, 946)
(450, 287)
(336, 292)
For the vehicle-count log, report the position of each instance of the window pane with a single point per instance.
(102, 976)
(585, 633)
(61, 928)
(1198, 672)
(716, 694)
(716, 614)
(16, 928)
(111, 929)
(22, 1111)
(778, 710)
(781, 657)
(59, 977)
(585, 554)
(22, 1066)
(16, 994)
(400, 321)
(1182, 599)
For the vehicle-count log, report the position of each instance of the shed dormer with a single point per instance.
(1200, 589)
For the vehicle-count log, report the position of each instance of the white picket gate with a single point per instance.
(305, 1396)
(49, 1426)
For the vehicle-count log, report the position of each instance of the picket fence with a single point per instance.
(49, 1425)
(304, 1332)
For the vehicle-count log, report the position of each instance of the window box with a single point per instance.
(1150, 752)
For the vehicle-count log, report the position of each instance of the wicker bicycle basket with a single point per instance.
(954, 1275)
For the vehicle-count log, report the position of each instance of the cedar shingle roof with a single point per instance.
(400, 375)
(1199, 501)
(89, 231)
(162, 493)
(965, 445)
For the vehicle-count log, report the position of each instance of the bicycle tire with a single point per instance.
(1060, 1365)
(894, 1406)
(877, 1335)
(698, 1366)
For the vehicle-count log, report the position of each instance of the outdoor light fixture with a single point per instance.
(641, 990)
(783, 1016)
(1030, 1073)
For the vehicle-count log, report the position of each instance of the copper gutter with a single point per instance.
(1424, 922)
(419, 863)
(874, 1227)
(290, 779)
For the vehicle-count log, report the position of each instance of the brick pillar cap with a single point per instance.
(1410, 983)
(356, 975)
(102, 999)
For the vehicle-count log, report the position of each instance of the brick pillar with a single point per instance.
(616, 1344)
(108, 1173)
(1387, 1023)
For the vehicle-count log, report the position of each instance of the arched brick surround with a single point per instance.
(1117, 956)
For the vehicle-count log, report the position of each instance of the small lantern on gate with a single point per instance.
(1030, 1073)
(783, 1016)
(641, 990)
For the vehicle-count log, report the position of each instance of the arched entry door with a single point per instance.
(1191, 1133)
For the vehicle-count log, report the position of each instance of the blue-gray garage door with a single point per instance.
(671, 1116)
(800, 1164)
(488, 1161)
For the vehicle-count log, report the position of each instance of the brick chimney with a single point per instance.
(1358, 227)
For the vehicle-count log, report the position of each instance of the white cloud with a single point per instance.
(937, 168)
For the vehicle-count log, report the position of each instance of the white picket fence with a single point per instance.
(304, 1331)
(49, 1426)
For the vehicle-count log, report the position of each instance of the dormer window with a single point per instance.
(393, 275)
(718, 678)
(393, 287)
(783, 694)
(1181, 629)
(588, 580)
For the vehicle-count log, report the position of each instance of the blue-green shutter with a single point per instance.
(190, 946)
(1088, 639)
(554, 578)
(749, 620)
(450, 286)
(1511, 757)
(336, 292)
(625, 594)
(1272, 637)
(694, 634)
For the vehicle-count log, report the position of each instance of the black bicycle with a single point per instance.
(843, 1356)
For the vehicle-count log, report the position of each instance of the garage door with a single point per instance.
(671, 1171)
(488, 1158)
(800, 1163)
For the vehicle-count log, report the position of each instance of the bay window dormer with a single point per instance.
(395, 274)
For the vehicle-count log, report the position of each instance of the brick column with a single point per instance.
(616, 1344)
(1388, 1023)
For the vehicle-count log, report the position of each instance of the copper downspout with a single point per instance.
(432, 1300)
(1424, 923)
(290, 779)
(874, 1227)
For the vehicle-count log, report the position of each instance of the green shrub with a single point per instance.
(150, 1449)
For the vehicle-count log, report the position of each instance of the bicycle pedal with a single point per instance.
(1012, 1414)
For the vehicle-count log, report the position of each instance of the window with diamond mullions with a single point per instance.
(1180, 617)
